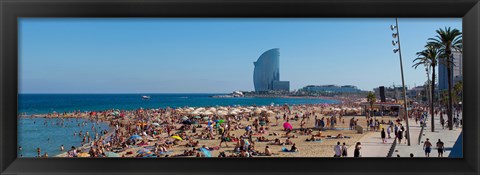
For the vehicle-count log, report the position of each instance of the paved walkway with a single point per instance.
(448, 137)
(372, 145)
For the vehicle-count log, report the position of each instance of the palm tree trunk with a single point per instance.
(432, 98)
(449, 107)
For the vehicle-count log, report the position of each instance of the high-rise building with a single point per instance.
(458, 67)
(266, 75)
(456, 73)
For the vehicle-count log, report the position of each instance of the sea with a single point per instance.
(45, 134)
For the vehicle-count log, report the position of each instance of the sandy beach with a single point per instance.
(152, 127)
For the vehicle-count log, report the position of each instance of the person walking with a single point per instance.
(440, 148)
(389, 130)
(338, 150)
(383, 136)
(427, 146)
(400, 136)
(344, 150)
(356, 152)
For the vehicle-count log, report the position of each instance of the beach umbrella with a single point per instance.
(112, 154)
(206, 152)
(155, 124)
(270, 113)
(184, 118)
(207, 113)
(220, 121)
(257, 111)
(177, 137)
(222, 113)
(135, 137)
(206, 118)
(187, 122)
(197, 117)
(287, 125)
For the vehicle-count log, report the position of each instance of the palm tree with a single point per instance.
(458, 89)
(428, 58)
(446, 41)
(371, 99)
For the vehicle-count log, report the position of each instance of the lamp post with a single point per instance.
(395, 50)
(429, 93)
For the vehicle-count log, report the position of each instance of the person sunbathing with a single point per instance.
(192, 143)
(294, 148)
(288, 141)
(262, 139)
(277, 142)
(312, 139)
(268, 152)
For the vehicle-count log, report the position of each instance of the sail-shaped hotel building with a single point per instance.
(266, 75)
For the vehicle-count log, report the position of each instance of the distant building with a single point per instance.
(456, 73)
(416, 92)
(281, 85)
(331, 89)
(458, 68)
(266, 74)
(393, 92)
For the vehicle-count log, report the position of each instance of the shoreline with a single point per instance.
(69, 113)
(130, 118)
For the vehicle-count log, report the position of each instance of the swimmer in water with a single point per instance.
(38, 152)
(61, 148)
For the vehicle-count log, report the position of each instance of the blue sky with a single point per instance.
(202, 55)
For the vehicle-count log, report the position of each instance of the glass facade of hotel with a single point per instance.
(267, 70)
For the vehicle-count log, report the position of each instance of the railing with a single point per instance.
(392, 148)
(421, 134)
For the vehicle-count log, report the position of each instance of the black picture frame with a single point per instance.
(11, 10)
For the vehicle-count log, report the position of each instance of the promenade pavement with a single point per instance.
(448, 137)
(372, 145)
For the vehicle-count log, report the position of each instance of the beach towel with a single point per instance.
(205, 152)
(287, 151)
(168, 152)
